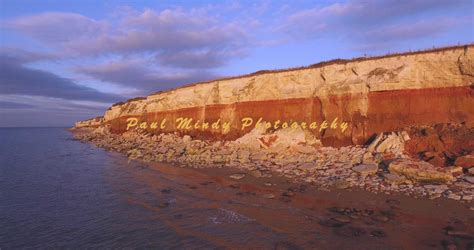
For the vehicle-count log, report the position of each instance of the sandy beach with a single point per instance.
(311, 218)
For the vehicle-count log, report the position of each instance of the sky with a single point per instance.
(64, 61)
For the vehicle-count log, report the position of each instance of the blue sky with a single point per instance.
(62, 61)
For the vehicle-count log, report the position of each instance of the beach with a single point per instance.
(324, 213)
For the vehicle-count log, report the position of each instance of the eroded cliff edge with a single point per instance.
(372, 94)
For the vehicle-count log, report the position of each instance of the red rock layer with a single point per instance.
(387, 111)
(442, 144)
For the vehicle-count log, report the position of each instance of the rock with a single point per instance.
(281, 139)
(469, 179)
(454, 196)
(291, 137)
(437, 160)
(258, 156)
(187, 139)
(466, 161)
(338, 210)
(296, 139)
(380, 218)
(251, 139)
(267, 175)
(269, 196)
(470, 171)
(244, 156)
(342, 219)
(305, 149)
(436, 188)
(366, 169)
(459, 234)
(393, 142)
(375, 142)
(237, 176)
(454, 170)
(218, 159)
(378, 233)
(256, 173)
(331, 223)
(288, 194)
(341, 184)
(434, 196)
(467, 197)
(394, 178)
(370, 161)
(134, 154)
(420, 171)
(463, 185)
(434, 158)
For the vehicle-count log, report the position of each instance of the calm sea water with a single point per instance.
(57, 192)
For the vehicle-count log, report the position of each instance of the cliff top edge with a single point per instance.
(312, 66)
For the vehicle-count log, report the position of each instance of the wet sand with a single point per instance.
(250, 214)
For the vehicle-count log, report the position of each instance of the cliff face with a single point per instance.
(372, 95)
(93, 123)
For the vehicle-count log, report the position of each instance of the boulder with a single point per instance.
(281, 139)
(187, 139)
(393, 142)
(436, 188)
(258, 156)
(434, 158)
(296, 138)
(470, 171)
(454, 170)
(469, 179)
(269, 196)
(420, 171)
(466, 161)
(251, 139)
(366, 169)
(237, 176)
(341, 184)
(256, 173)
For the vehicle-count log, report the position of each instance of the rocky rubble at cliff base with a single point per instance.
(382, 166)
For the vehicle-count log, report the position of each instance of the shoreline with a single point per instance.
(308, 216)
(326, 213)
(381, 167)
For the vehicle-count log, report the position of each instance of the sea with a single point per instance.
(57, 192)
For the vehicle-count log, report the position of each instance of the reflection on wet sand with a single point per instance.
(250, 213)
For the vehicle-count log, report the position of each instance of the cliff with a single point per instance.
(92, 123)
(371, 94)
